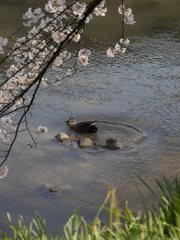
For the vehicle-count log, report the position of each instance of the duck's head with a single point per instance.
(71, 121)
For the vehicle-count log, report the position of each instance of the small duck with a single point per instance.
(82, 127)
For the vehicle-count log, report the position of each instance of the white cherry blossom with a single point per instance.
(68, 73)
(76, 38)
(128, 16)
(100, 11)
(4, 172)
(3, 43)
(85, 52)
(110, 52)
(79, 9)
(42, 130)
(58, 37)
(118, 48)
(57, 64)
(6, 121)
(83, 59)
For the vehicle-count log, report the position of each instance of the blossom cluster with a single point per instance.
(128, 17)
(100, 10)
(6, 121)
(4, 135)
(32, 17)
(118, 48)
(57, 64)
(79, 9)
(83, 56)
(41, 130)
(3, 43)
(4, 172)
(55, 6)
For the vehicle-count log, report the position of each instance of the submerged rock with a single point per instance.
(112, 144)
(62, 137)
(84, 142)
(50, 187)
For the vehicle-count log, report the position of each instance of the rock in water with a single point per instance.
(112, 144)
(62, 137)
(84, 142)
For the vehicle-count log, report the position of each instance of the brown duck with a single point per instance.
(82, 127)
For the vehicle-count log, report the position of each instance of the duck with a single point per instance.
(82, 127)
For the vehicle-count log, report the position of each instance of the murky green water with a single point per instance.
(139, 88)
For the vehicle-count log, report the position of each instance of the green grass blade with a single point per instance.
(135, 186)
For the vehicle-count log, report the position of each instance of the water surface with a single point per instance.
(139, 88)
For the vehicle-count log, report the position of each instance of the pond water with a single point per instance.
(139, 88)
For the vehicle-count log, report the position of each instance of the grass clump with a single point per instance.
(161, 224)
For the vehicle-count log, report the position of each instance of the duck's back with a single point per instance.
(85, 127)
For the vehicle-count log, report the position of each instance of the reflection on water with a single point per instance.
(139, 88)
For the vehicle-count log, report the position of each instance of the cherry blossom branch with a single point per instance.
(19, 123)
(20, 92)
(46, 47)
